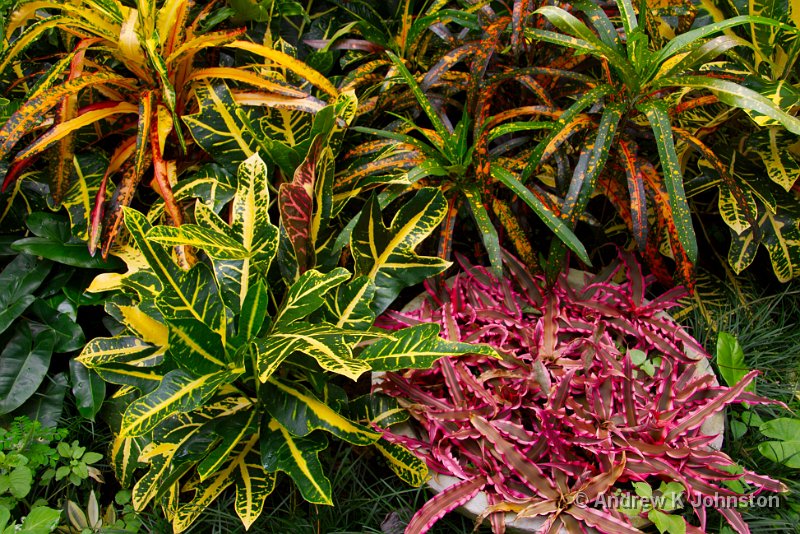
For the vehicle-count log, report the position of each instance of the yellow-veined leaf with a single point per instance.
(329, 345)
(217, 127)
(307, 294)
(253, 484)
(297, 457)
(410, 469)
(178, 392)
(283, 60)
(300, 412)
(416, 347)
(386, 254)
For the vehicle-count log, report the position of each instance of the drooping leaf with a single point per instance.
(245, 472)
(657, 114)
(298, 458)
(89, 389)
(79, 198)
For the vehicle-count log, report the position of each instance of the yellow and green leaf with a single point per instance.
(386, 255)
(410, 469)
(307, 295)
(300, 412)
(329, 345)
(780, 234)
(178, 392)
(774, 146)
(243, 469)
(298, 458)
(217, 127)
(417, 347)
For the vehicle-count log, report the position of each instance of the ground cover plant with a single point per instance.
(597, 388)
(245, 185)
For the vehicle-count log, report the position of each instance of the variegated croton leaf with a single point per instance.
(216, 357)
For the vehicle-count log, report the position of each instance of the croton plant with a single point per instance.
(596, 389)
(233, 369)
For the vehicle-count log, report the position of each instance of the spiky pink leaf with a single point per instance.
(443, 503)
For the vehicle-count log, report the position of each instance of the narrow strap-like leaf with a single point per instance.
(735, 95)
(658, 116)
(605, 28)
(85, 117)
(488, 232)
(558, 226)
(31, 112)
(443, 503)
(423, 100)
(638, 200)
(585, 175)
(588, 99)
(286, 61)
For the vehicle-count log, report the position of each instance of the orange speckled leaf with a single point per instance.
(638, 201)
(31, 112)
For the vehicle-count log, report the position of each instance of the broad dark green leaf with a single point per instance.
(89, 389)
(13, 310)
(69, 334)
(47, 403)
(21, 277)
(74, 254)
(24, 363)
